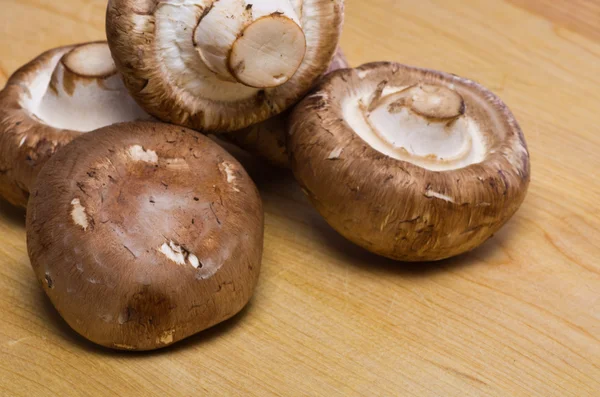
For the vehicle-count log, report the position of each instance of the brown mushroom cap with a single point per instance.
(411, 164)
(187, 78)
(143, 234)
(267, 139)
(50, 101)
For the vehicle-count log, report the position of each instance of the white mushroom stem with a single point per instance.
(422, 120)
(259, 43)
(86, 92)
(424, 124)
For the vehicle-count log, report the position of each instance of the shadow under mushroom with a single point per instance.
(12, 215)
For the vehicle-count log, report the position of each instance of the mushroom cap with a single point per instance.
(143, 234)
(165, 72)
(391, 200)
(267, 139)
(50, 101)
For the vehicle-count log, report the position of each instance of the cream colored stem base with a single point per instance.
(257, 43)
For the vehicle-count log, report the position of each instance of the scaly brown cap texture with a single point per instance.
(143, 234)
(26, 143)
(165, 73)
(394, 207)
(268, 139)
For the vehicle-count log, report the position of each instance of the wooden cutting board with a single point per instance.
(519, 316)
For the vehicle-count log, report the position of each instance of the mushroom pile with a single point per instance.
(142, 231)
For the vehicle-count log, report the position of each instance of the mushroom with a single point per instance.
(267, 139)
(143, 234)
(411, 164)
(222, 65)
(50, 101)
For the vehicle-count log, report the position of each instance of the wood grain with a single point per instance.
(518, 317)
(567, 14)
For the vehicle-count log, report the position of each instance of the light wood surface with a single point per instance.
(518, 317)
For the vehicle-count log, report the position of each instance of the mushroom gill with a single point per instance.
(425, 124)
(84, 92)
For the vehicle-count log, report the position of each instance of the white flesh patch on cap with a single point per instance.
(363, 73)
(85, 92)
(166, 337)
(431, 194)
(78, 214)
(423, 124)
(177, 164)
(22, 141)
(121, 346)
(229, 171)
(335, 153)
(178, 254)
(137, 153)
(173, 252)
(193, 259)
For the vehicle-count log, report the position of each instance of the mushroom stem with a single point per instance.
(423, 122)
(256, 43)
(86, 92)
